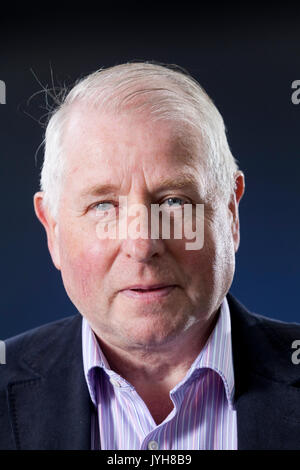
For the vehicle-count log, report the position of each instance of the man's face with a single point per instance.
(138, 157)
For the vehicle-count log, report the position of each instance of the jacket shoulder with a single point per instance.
(38, 343)
(44, 366)
(263, 345)
(280, 329)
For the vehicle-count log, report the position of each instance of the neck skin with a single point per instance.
(159, 369)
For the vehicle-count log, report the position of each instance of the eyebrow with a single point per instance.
(180, 182)
(99, 189)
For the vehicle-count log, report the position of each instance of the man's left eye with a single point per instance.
(171, 201)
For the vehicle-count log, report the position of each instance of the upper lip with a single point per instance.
(148, 286)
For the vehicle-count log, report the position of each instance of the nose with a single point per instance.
(138, 244)
(143, 249)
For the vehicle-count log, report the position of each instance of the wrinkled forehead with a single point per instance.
(91, 135)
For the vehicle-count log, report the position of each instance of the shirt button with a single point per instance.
(115, 383)
(153, 445)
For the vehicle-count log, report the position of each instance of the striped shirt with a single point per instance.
(203, 416)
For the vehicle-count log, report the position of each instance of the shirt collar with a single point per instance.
(217, 352)
(216, 355)
(93, 357)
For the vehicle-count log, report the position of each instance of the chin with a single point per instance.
(151, 333)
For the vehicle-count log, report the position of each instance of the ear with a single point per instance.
(234, 207)
(50, 225)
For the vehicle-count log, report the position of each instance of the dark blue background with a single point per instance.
(245, 58)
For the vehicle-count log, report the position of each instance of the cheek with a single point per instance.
(206, 266)
(199, 264)
(84, 264)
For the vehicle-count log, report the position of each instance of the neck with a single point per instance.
(160, 367)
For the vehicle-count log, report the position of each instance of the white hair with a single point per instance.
(166, 93)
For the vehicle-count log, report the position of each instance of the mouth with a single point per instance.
(149, 292)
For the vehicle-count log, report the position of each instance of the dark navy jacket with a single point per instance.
(45, 404)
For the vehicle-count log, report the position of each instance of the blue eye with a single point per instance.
(102, 206)
(176, 199)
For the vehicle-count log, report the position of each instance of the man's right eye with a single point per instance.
(103, 206)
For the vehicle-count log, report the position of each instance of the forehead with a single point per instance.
(98, 145)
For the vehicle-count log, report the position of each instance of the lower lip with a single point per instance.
(148, 294)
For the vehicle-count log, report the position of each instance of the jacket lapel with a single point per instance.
(267, 404)
(50, 409)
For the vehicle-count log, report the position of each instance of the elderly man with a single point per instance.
(161, 355)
